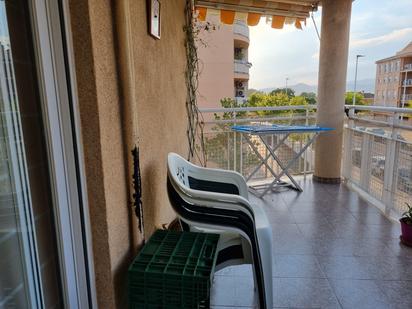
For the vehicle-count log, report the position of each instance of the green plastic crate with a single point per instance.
(173, 270)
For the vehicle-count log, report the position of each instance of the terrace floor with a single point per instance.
(331, 250)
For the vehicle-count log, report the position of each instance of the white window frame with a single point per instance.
(53, 50)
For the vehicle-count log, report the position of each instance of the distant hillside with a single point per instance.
(298, 88)
(365, 85)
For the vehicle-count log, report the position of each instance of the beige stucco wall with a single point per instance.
(160, 67)
(107, 126)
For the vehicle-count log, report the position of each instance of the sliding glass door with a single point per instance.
(29, 263)
(43, 255)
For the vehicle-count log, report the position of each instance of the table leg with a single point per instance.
(262, 160)
(285, 168)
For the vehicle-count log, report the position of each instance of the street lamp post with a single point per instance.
(356, 76)
(286, 88)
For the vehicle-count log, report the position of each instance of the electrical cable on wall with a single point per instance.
(135, 190)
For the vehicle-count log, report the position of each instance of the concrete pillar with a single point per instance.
(333, 61)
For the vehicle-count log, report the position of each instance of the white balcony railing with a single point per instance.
(241, 28)
(407, 97)
(377, 155)
(408, 66)
(242, 66)
(407, 82)
(228, 150)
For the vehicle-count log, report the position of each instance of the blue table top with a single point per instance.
(278, 129)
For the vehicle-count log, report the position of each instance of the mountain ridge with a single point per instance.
(365, 85)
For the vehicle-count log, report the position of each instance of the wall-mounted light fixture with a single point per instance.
(154, 7)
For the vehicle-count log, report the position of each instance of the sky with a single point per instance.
(379, 28)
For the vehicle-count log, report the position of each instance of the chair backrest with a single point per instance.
(179, 169)
(198, 178)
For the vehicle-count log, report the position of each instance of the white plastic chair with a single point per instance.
(216, 201)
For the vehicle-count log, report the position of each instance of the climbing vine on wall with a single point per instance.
(195, 119)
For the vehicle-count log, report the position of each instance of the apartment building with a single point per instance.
(224, 62)
(393, 84)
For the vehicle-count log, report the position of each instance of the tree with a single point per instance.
(310, 97)
(269, 100)
(223, 140)
(359, 99)
(251, 91)
(289, 91)
(229, 103)
(257, 99)
(299, 100)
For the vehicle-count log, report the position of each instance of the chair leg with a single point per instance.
(265, 247)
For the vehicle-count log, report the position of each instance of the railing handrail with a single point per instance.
(255, 109)
(258, 119)
(374, 108)
(242, 61)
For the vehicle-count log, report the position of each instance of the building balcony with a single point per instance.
(407, 97)
(337, 238)
(241, 69)
(407, 67)
(241, 100)
(407, 82)
(241, 34)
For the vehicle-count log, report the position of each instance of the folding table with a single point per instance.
(262, 130)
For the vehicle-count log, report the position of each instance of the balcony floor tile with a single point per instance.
(359, 294)
(331, 249)
(304, 293)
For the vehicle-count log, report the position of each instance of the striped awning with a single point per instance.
(280, 12)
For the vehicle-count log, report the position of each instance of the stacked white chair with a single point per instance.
(216, 201)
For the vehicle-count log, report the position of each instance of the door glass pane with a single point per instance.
(29, 264)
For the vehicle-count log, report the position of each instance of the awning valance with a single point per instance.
(280, 11)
